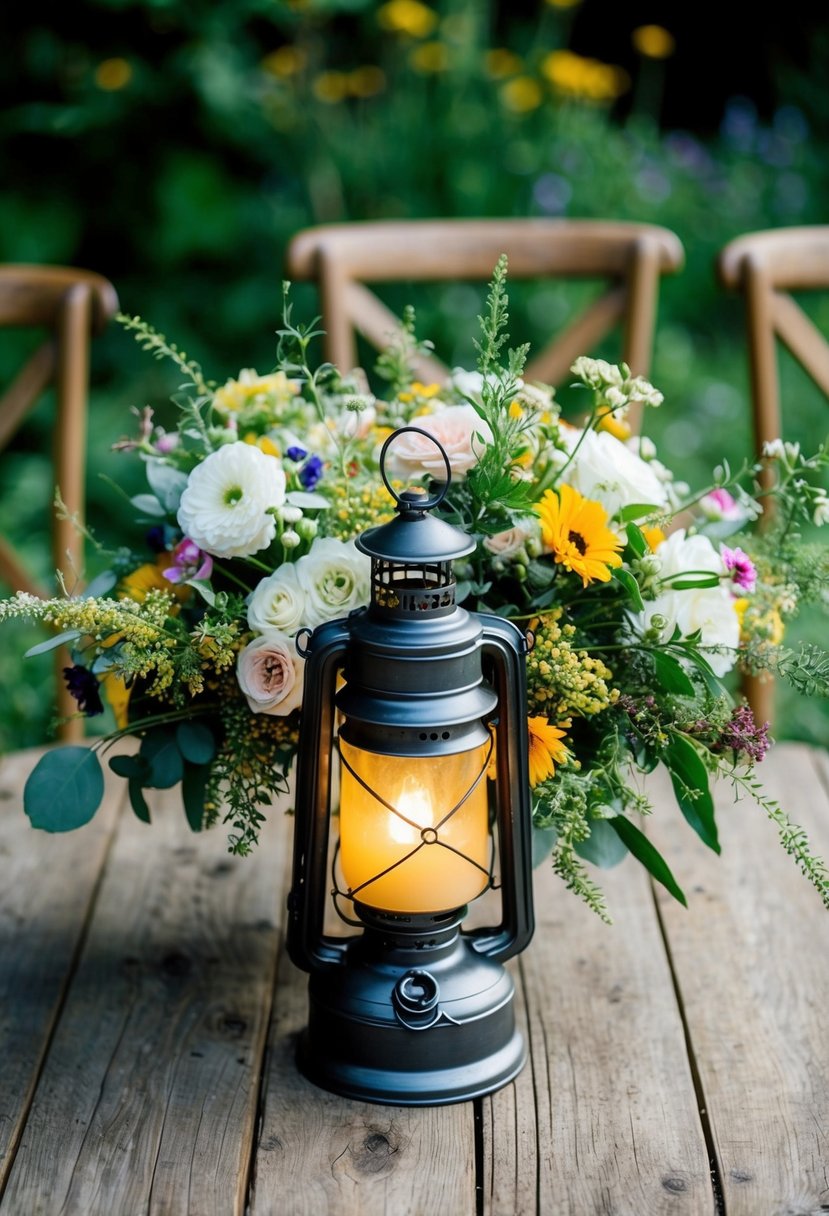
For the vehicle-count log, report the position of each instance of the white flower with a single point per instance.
(773, 449)
(605, 469)
(821, 509)
(335, 578)
(707, 609)
(597, 373)
(270, 674)
(508, 543)
(456, 429)
(277, 602)
(225, 505)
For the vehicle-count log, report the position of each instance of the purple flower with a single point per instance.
(744, 736)
(83, 686)
(311, 472)
(742, 568)
(189, 561)
(296, 453)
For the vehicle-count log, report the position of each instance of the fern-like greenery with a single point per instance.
(155, 343)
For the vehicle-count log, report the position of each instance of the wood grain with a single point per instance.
(148, 1096)
(319, 1154)
(47, 888)
(752, 961)
(604, 1119)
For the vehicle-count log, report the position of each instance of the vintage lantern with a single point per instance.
(433, 789)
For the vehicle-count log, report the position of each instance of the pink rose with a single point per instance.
(270, 672)
(456, 429)
(507, 543)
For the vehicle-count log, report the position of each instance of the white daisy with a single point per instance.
(226, 503)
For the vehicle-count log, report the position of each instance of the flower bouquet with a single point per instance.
(638, 595)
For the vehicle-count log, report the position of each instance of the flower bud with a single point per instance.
(290, 539)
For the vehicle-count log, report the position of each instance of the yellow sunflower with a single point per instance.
(575, 531)
(546, 749)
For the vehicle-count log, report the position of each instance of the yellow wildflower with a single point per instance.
(654, 537)
(366, 81)
(330, 87)
(430, 57)
(653, 41)
(522, 94)
(407, 17)
(574, 529)
(501, 62)
(285, 61)
(113, 74)
(546, 749)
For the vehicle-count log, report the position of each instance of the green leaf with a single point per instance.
(604, 847)
(64, 790)
(195, 742)
(544, 841)
(688, 771)
(713, 682)
(636, 540)
(689, 584)
(137, 800)
(129, 766)
(651, 858)
(100, 585)
(69, 635)
(671, 674)
(165, 762)
(631, 586)
(193, 787)
(635, 510)
(148, 504)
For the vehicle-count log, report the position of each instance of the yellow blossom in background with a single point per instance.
(654, 537)
(330, 87)
(262, 442)
(653, 41)
(546, 749)
(418, 392)
(563, 3)
(251, 389)
(113, 74)
(407, 17)
(574, 529)
(285, 61)
(117, 694)
(501, 62)
(613, 422)
(576, 76)
(430, 57)
(366, 81)
(522, 94)
(515, 411)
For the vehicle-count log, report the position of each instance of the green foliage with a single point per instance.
(64, 790)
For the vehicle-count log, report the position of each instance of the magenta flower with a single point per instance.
(742, 568)
(189, 561)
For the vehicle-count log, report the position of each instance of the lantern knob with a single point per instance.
(415, 999)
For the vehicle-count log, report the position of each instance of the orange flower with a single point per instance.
(574, 529)
(546, 749)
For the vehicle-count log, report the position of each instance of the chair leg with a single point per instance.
(72, 384)
(759, 693)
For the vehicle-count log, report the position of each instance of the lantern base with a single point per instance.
(414, 1016)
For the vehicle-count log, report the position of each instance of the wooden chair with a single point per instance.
(341, 258)
(765, 267)
(71, 305)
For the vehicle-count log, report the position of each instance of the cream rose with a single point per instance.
(509, 542)
(456, 429)
(270, 674)
(277, 602)
(603, 468)
(335, 578)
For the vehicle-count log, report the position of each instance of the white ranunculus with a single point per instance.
(335, 578)
(604, 469)
(709, 609)
(456, 429)
(278, 602)
(270, 674)
(225, 505)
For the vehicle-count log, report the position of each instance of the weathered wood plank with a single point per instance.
(47, 888)
(752, 960)
(147, 1100)
(320, 1155)
(604, 1118)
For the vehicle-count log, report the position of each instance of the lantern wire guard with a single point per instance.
(432, 705)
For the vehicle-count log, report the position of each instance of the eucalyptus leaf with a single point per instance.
(306, 500)
(642, 849)
(193, 789)
(195, 742)
(100, 585)
(604, 846)
(137, 800)
(60, 639)
(160, 751)
(543, 843)
(129, 766)
(64, 790)
(168, 484)
(204, 589)
(687, 771)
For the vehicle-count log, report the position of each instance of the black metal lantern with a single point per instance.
(432, 741)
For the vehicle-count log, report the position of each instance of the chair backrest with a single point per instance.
(70, 305)
(341, 258)
(766, 267)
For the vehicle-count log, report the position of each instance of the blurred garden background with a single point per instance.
(175, 147)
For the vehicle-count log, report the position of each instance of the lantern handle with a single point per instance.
(506, 647)
(415, 503)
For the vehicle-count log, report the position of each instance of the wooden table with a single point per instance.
(679, 1061)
